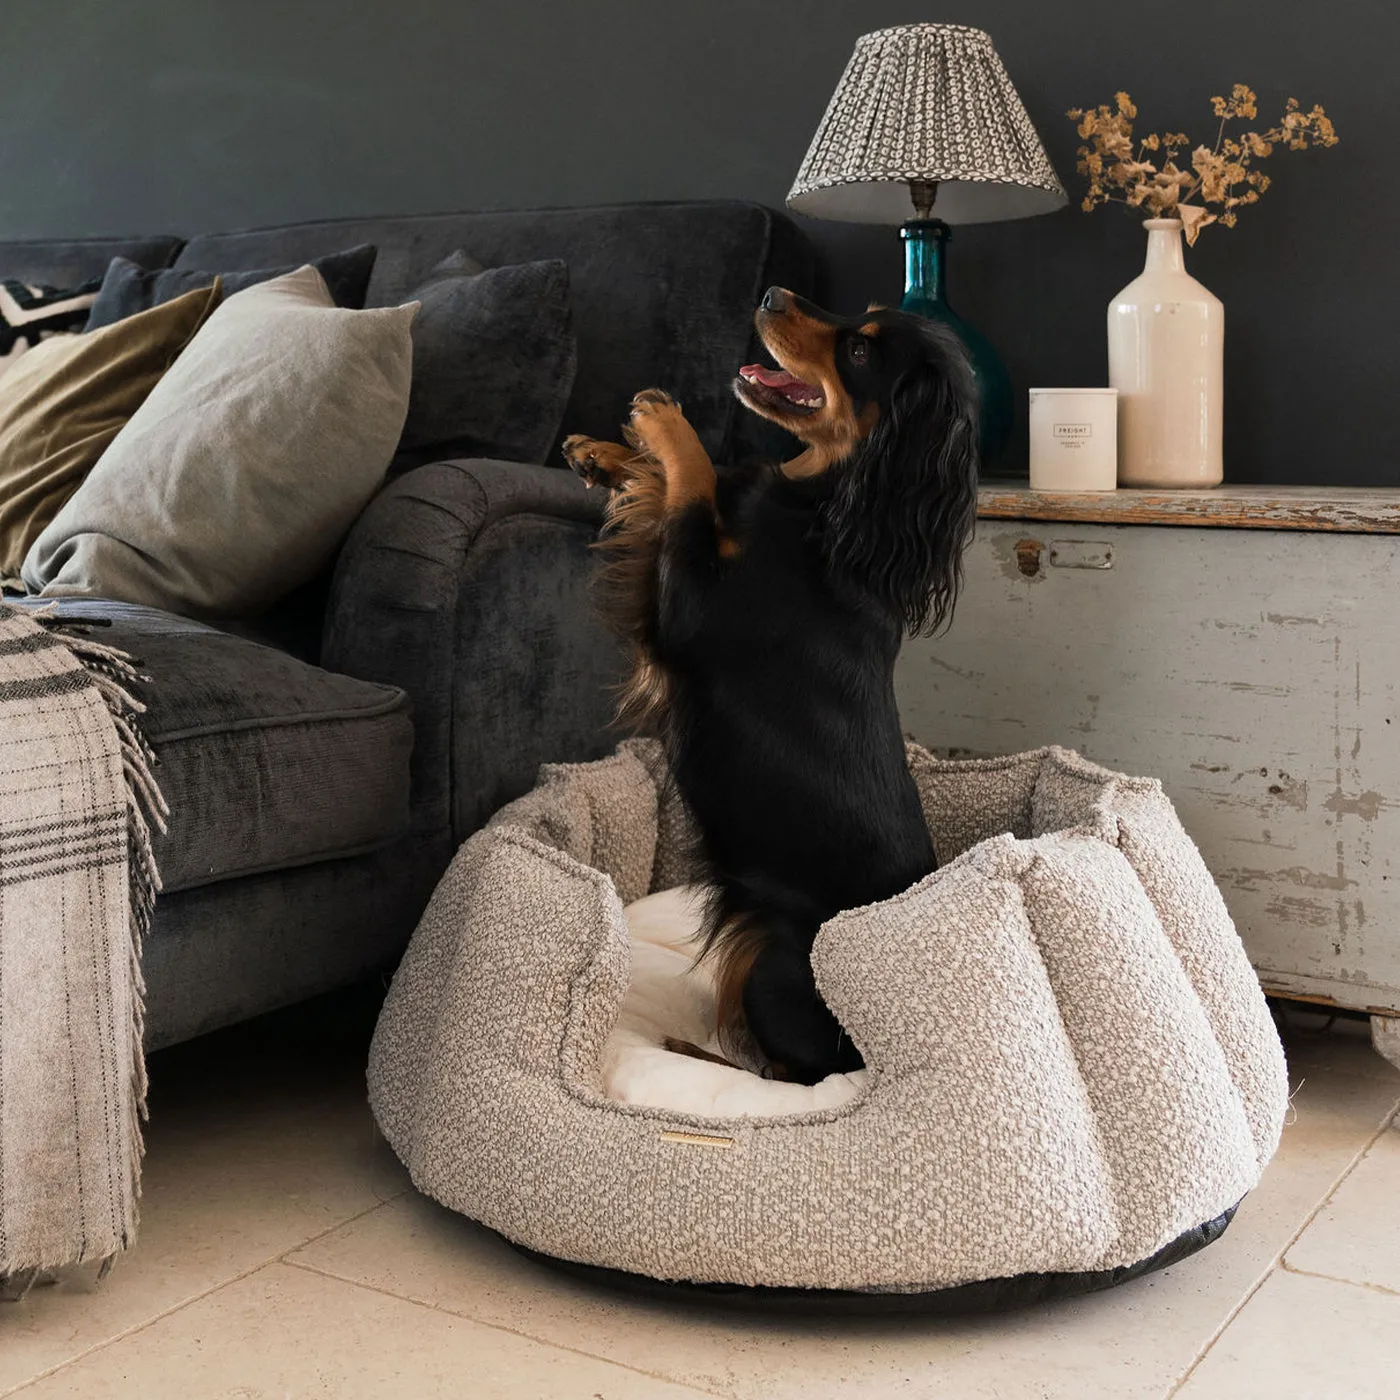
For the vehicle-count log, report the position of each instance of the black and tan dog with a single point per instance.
(766, 608)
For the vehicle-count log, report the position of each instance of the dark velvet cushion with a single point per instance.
(493, 360)
(662, 294)
(267, 763)
(128, 288)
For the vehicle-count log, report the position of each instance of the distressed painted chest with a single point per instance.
(1241, 644)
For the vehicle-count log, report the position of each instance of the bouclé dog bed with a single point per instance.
(1071, 1074)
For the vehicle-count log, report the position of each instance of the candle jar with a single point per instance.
(1074, 439)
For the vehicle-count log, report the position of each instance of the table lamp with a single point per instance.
(925, 121)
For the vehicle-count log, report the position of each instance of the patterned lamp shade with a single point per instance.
(932, 103)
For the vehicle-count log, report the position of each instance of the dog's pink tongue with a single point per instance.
(772, 378)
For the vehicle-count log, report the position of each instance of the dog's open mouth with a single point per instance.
(776, 388)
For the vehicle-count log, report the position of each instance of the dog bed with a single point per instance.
(1071, 1074)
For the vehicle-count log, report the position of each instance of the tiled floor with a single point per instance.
(284, 1255)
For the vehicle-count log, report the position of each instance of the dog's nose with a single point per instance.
(775, 300)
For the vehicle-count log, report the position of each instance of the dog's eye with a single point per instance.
(858, 348)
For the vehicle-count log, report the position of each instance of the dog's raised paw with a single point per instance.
(588, 459)
(648, 401)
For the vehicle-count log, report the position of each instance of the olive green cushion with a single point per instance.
(63, 402)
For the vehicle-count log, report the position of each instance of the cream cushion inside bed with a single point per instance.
(670, 996)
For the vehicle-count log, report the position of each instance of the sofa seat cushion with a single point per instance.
(266, 762)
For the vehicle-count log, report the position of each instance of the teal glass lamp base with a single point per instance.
(925, 268)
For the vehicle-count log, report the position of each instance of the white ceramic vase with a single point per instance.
(1166, 347)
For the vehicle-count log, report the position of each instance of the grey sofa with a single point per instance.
(323, 764)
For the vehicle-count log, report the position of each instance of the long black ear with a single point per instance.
(905, 504)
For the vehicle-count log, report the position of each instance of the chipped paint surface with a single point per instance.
(1255, 671)
(1366, 805)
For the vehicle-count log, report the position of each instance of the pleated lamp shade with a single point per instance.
(933, 103)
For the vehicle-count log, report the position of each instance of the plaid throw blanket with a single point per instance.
(77, 883)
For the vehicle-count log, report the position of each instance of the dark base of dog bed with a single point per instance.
(984, 1296)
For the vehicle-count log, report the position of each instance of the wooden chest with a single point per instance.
(1241, 644)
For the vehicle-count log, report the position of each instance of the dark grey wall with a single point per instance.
(186, 115)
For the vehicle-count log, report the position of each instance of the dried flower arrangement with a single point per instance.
(1221, 176)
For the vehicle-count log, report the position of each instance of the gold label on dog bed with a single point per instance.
(697, 1139)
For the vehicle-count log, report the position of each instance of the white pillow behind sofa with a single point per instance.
(242, 471)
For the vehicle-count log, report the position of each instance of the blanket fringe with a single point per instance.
(115, 676)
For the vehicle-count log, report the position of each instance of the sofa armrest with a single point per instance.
(468, 584)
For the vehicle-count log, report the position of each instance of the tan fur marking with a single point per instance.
(631, 542)
(735, 947)
(663, 469)
(826, 453)
(686, 1047)
(807, 348)
(661, 430)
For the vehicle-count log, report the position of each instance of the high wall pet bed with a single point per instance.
(1072, 1076)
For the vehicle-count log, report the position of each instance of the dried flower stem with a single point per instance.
(1221, 177)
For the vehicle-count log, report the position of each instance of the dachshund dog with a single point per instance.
(765, 608)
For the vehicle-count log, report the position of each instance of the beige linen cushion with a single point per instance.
(239, 476)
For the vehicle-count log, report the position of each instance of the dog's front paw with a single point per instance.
(648, 403)
(595, 462)
(657, 426)
(582, 459)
